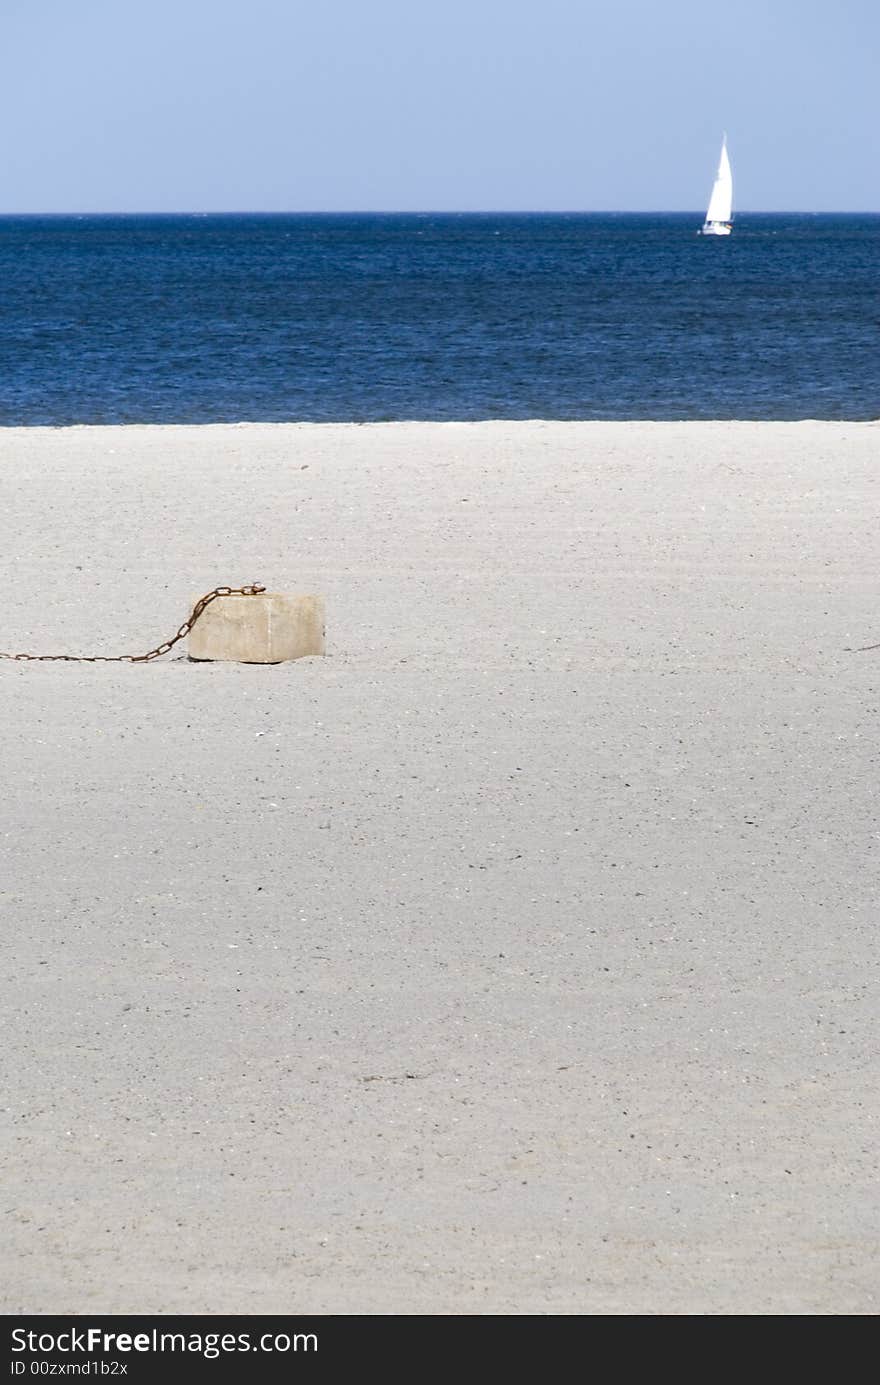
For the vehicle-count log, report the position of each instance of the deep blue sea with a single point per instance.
(196, 319)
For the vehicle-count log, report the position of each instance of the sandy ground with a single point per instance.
(515, 958)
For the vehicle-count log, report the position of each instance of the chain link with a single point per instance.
(203, 602)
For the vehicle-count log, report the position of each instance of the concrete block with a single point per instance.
(268, 628)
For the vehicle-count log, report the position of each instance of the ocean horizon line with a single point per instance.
(451, 212)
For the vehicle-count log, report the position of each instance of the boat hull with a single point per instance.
(716, 228)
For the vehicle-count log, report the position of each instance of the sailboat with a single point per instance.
(718, 222)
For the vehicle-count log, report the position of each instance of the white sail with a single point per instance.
(721, 201)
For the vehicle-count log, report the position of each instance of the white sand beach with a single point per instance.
(519, 956)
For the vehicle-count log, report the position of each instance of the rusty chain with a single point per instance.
(252, 590)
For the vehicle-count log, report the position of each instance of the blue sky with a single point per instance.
(277, 105)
